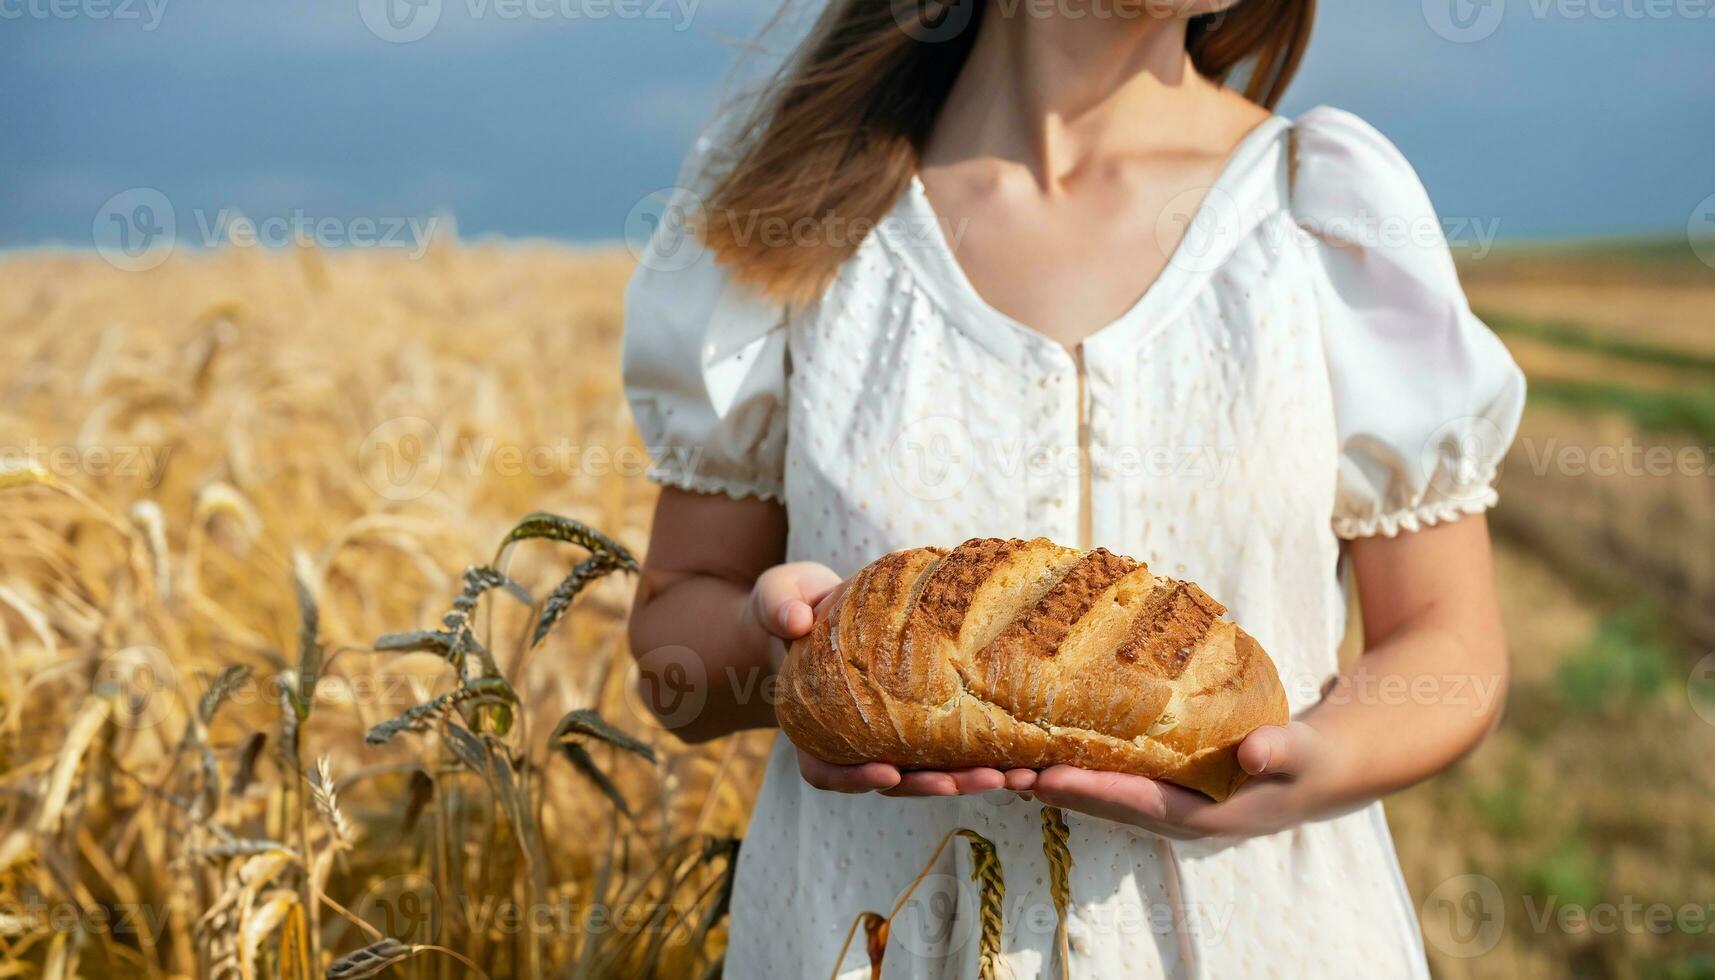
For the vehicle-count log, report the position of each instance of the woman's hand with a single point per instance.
(889, 780)
(784, 601)
(1297, 774)
(784, 604)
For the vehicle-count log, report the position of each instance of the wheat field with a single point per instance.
(230, 483)
(198, 437)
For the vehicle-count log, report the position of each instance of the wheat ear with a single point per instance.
(375, 958)
(1057, 848)
(327, 803)
(986, 872)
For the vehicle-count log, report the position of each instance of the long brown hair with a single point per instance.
(835, 140)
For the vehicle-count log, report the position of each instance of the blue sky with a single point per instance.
(1548, 118)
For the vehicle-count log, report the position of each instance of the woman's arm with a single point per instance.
(713, 590)
(1432, 624)
(1429, 686)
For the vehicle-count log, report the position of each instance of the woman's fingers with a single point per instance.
(924, 783)
(1113, 795)
(879, 777)
(785, 597)
(1160, 808)
(829, 597)
(820, 584)
(865, 778)
(956, 782)
(1150, 805)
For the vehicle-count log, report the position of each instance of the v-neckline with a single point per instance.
(1193, 256)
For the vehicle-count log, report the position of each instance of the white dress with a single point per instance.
(1306, 369)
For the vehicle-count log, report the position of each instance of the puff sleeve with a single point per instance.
(704, 367)
(1426, 398)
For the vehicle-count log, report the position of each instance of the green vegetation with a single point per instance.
(1691, 966)
(1574, 337)
(1659, 258)
(1623, 666)
(1506, 807)
(1655, 252)
(1568, 874)
(1688, 412)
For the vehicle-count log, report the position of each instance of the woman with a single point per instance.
(1034, 273)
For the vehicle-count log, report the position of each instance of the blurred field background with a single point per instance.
(281, 392)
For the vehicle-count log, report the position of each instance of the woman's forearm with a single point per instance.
(703, 656)
(1410, 707)
(1432, 680)
(703, 659)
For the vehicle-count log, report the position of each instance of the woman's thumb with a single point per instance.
(786, 594)
(1270, 750)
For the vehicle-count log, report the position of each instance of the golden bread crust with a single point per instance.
(1024, 654)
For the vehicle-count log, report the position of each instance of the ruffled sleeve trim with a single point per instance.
(676, 475)
(1424, 515)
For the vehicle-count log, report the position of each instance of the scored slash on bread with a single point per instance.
(1025, 654)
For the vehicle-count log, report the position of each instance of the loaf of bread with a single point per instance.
(1025, 654)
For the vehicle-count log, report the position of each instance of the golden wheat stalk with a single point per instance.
(148, 517)
(986, 872)
(553, 527)
(198, 572)
(257, 924)
(327, 803)
(1057, 848)
(585, 572)
(371, 960)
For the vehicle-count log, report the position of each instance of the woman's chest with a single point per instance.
(914, 423)
(1093, 251)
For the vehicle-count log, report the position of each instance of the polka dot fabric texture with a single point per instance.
(1305, 369)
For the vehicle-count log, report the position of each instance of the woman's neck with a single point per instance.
(1059, 95)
